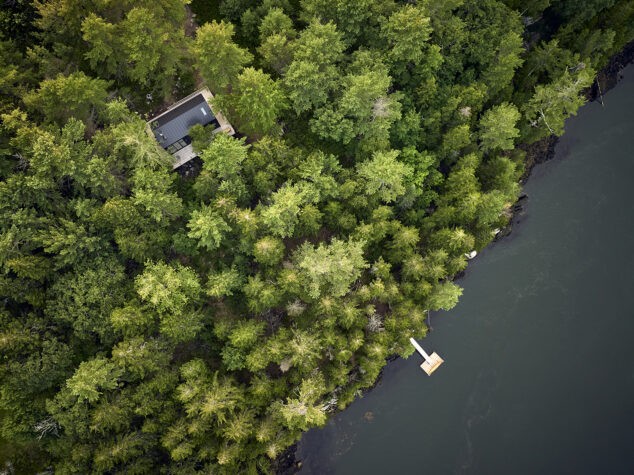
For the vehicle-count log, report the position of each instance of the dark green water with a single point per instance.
(539, 354)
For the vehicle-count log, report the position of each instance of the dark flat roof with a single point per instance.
(174, 124)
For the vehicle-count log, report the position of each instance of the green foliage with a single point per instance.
(208, 227)
(102, 36)
(313, 73)
(131, 320)
(85, 298)
(91, 378)
(497, 127)
(406, 32)
(152, 192)
(303, 411)
(133, 143)
(364, 109)
(155, 321)
(444, 296)
(355, 20)
(262, 295)
(139, 47)
(552, 103)
(224, 156)
(16, 21)
(384, 175)
(219, 59)
(276, 22)
(256, 102)
(282, 215)
(167, 289)
(151, 52)
(329, 269)
(75, 95)
(224, 282)
(268, 251)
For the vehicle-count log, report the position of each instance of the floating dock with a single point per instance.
(431, 363)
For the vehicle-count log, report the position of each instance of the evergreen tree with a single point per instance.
(161, 321)
(220, 60)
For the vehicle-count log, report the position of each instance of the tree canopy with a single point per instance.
(199, 320)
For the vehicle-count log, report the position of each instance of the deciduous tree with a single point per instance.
(219, 59)
(257, 102)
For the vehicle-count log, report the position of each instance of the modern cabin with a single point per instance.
(171, 128)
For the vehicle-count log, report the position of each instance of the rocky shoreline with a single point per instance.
(608, 77)
(544, 150)
(536, 153)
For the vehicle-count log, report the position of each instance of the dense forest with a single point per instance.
(199, 321)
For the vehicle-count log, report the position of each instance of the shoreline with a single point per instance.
(544, 150)
(607, 78)
(536, 153)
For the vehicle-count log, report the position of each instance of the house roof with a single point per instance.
(175, 123)
(171, 128)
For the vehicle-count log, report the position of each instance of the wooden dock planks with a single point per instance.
(432, 364)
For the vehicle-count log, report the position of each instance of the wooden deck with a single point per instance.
(432, 364)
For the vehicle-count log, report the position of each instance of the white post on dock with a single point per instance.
(420, 349)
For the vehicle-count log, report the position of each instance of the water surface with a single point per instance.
(539, 353)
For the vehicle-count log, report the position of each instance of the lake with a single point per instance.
(539, 353)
